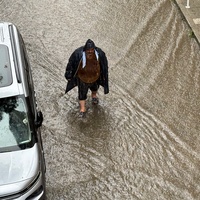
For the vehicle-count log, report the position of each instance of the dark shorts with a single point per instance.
(84, 87)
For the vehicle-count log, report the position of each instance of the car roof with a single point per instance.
(9, 82)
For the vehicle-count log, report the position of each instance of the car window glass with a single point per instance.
(14, 124)
(5, 69)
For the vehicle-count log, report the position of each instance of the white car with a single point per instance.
(22, 164)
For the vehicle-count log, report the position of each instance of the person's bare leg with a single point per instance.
(82, 105)
(95, 99)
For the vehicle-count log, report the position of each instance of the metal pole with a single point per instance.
(188, 4)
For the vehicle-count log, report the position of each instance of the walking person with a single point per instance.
(87, 68)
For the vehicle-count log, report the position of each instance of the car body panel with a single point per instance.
(22, 163)
(18, 167)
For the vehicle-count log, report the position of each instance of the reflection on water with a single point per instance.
(141, 141)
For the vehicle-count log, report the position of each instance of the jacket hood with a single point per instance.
(89, 45)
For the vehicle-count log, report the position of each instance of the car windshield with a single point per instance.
(14, 123)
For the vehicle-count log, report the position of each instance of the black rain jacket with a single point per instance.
(72, 68)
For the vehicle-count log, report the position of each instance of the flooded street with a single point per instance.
(142, 141)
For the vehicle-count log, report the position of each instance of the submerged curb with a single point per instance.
(191, 12)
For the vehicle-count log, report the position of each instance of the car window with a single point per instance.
(14, 123)
(5, 69)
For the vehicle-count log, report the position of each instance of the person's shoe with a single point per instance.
(95, 101)
(82, 114)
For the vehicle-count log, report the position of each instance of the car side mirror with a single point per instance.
(39, 119)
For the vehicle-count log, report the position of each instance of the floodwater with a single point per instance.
(142, 140)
